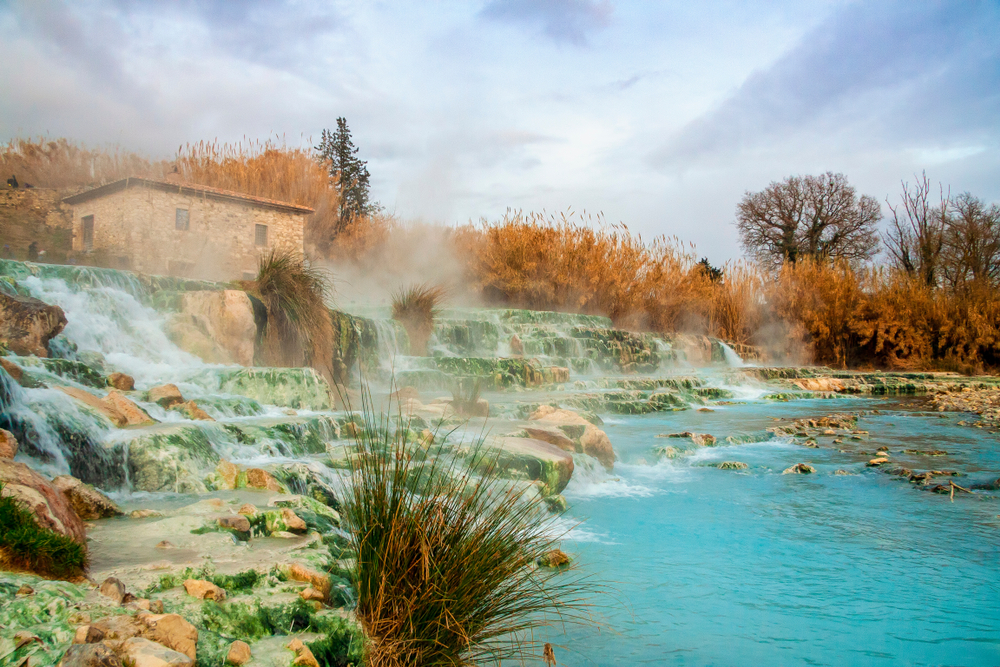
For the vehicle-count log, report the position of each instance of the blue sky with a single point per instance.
(659, 114)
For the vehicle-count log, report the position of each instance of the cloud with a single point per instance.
(873, 72)
(572, 21)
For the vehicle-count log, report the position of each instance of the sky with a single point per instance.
(660, 115)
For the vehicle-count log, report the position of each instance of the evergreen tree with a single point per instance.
(349, 172)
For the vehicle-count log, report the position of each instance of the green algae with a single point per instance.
(46, 613)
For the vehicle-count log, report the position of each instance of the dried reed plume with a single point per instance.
(416, 308)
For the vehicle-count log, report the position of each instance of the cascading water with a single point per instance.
(732, 359)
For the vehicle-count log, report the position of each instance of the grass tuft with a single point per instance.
(449, 578)
(416, 308)
(24, 545)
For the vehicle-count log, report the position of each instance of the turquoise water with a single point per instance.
(719, 567)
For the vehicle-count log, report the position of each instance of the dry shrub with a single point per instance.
(415, 308)
(738, 306)
(299, 328)
(58, 163)
(563, 263)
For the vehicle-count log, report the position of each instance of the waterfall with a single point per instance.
(732, 359)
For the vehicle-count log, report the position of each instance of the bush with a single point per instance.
(449, 578)
(415, 308)
(24, 545)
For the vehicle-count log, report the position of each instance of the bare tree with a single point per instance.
(971, 242)
(915, 238)
(808, 216)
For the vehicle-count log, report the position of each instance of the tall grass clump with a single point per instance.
(60, 163)
(24, 545)
(416, 308)
(299, 327)
(448, 576)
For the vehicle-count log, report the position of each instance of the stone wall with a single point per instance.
(136, 228)
(35, 214)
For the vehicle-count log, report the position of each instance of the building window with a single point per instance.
(88, 232)
(260, 235)
(182, 219)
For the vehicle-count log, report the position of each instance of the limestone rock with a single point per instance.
(86, 501)
(36, 494)
(819, 384)
(191, 410)
(141, 652)
(298, 572)
(121, 381)
(799, 469)
(172, 631)
(311, 593)
(27, 324)
(699, 439)
(246, 509)
(227, 473)
(133, 414)
(144, 514)
(89, 654)
(303, 656)
(8, 445)
(553, 436)
(227, 319)
(95, 402)
(587, 438)
(113, 588)
(535, 460)
(555, 558)
(88, 634)
(13, 370)
(165, 395)
(293, 521)
(842, 472)
(258, 478)
(732, 465)
(877, 461)
(238, 523)
(204, 590)
(239, 653)
(596, 443)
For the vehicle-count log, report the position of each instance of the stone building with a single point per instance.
(182, 229)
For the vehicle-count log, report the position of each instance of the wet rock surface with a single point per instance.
(27, 324)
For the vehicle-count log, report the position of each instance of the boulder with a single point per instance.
(36, 494)
(172, 631)
(88, 634)
(535, 460)
(227, 319)
(310, 593)
(204, 590)
(96, 403)
(292, 520)
(227, 474)
(141, 652)
(86, 501)
(699, 439)
(799, 469)
(246, 509)
(819, 384)
(587, 438)
(298, 572)
(553, 436)
(89, 655)
(732, 465)
(8, 445)
(13, 370)
(121, 381)
(27, 324)
(238, 523)
(132, 413)
(239, 653)
(303, 656)
(165, 395)
(113, 588)
(877, 461)
(257, 478)
(191, 410)
(555, 558)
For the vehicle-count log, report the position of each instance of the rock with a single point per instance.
(553, 436)
(95, 402)
(13, 370)
(24, 590)
(516, 346)
(877, 461)
(247, 510)
(88, 634)
(293, 521)
(191, 410)
(113, 588)
(239, 653)
(311, 593)
(587, 437)
(535, 460)
(228, 473)
(257, 478)
(132, 413)
(238, 523)
(204, 590)
(842, 472)
(299, 572)
(164, 544)
(555, 558)
(121, 381)
(819, 384)
(154, 606)
(36, 494)
(165, 395)
(227, 318)
(732, 465)
(699, 439)
(141, 652)
(86, 501)
(799, 469)
(303, 656)
(89, 654)
(8, 445)
(27, 324)
(144, 514)
(172, 631)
